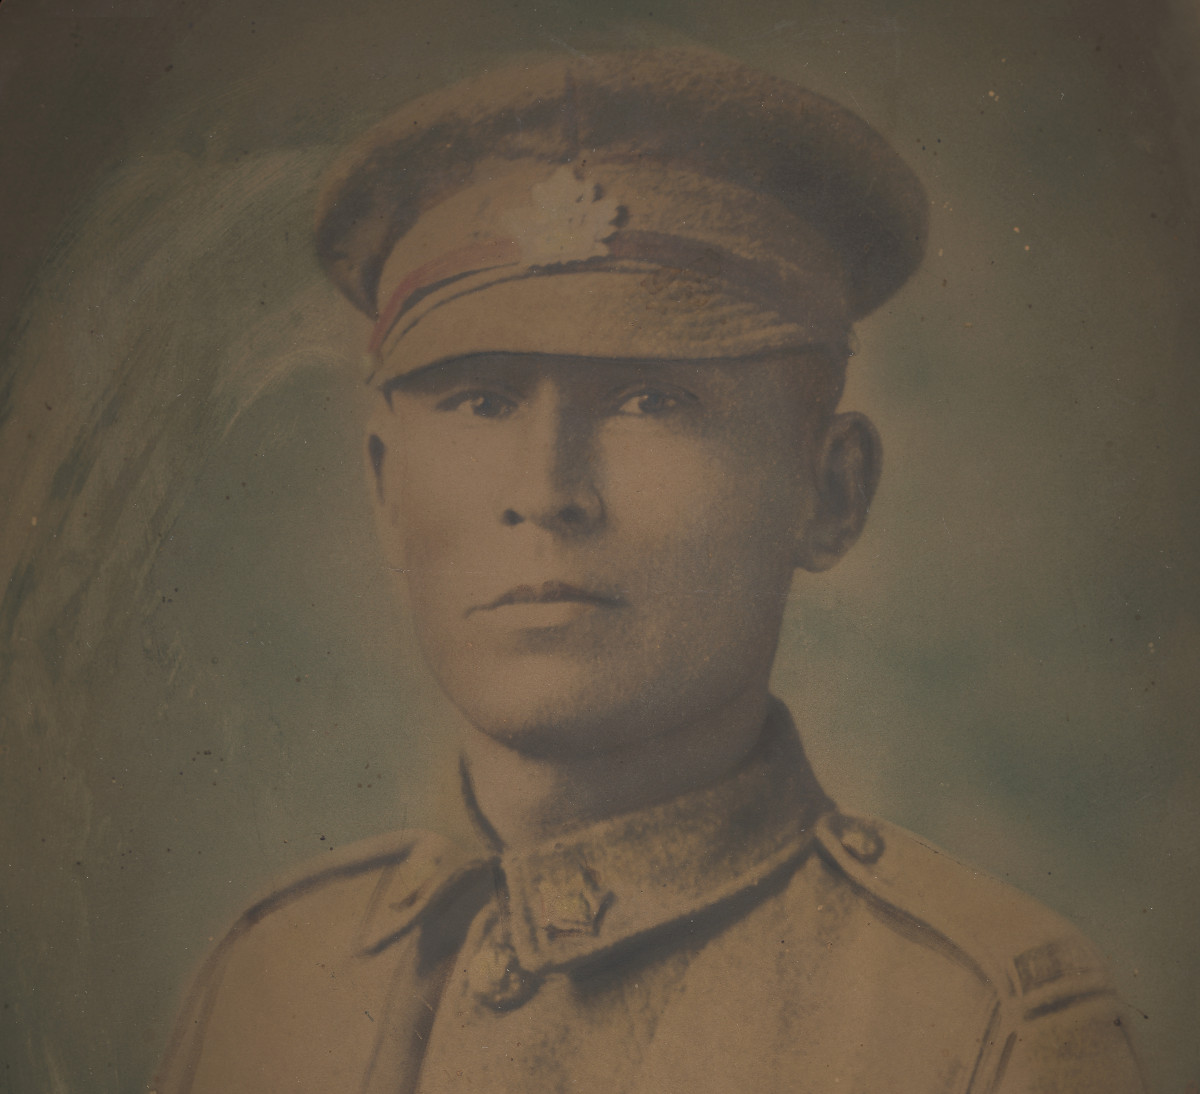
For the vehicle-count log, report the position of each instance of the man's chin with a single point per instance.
(561, 729)
(553, 736)
(550, 706)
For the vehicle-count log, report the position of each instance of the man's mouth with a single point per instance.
(549, 592)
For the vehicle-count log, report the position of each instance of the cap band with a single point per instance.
(605, 260)
(476, 257)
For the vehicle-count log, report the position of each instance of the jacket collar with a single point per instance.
(605, 885)
(570, 899)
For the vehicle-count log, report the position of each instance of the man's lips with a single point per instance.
(549, 592)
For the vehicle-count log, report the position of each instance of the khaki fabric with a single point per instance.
(674, 203)
(744, 937)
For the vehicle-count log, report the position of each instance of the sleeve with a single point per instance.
(294, 997)
(1082, 1046)
(287, 1002)
(174, 1074)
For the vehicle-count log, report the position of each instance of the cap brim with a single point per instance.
(615, 314)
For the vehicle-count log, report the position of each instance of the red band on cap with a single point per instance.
(473, 258)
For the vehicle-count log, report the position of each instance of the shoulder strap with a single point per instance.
(1035, 960)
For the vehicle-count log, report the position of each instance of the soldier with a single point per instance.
(612, 299)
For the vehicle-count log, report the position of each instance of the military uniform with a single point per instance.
(743, 937)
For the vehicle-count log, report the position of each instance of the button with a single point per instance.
(859, 839)
(497, 979)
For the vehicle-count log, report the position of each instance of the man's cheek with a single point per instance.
(433, 516)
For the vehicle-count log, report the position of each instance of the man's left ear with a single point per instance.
(846, 474)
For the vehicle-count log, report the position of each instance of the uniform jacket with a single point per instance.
(746, 937)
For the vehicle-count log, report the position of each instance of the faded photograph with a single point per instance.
(502, 508)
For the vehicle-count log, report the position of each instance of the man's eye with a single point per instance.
(648, 402)
(480, 404)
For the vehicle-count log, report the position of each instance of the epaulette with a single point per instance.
(398, 874)
(1033, 959)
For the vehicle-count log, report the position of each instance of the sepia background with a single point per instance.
(203, 677)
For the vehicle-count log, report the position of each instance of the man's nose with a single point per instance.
(554, 482)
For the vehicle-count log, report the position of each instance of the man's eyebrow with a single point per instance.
(426, 379)
(422, 381)
(403, 382)
(481, 369)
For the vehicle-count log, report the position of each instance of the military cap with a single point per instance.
(648, 204)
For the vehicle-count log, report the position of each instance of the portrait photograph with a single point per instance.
(589, 547)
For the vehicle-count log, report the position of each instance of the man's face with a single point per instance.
(596, 551)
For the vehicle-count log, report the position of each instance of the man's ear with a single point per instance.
(845, 476)
(375, 466)
(375, 450)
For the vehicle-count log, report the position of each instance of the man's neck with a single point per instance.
(528, 799)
